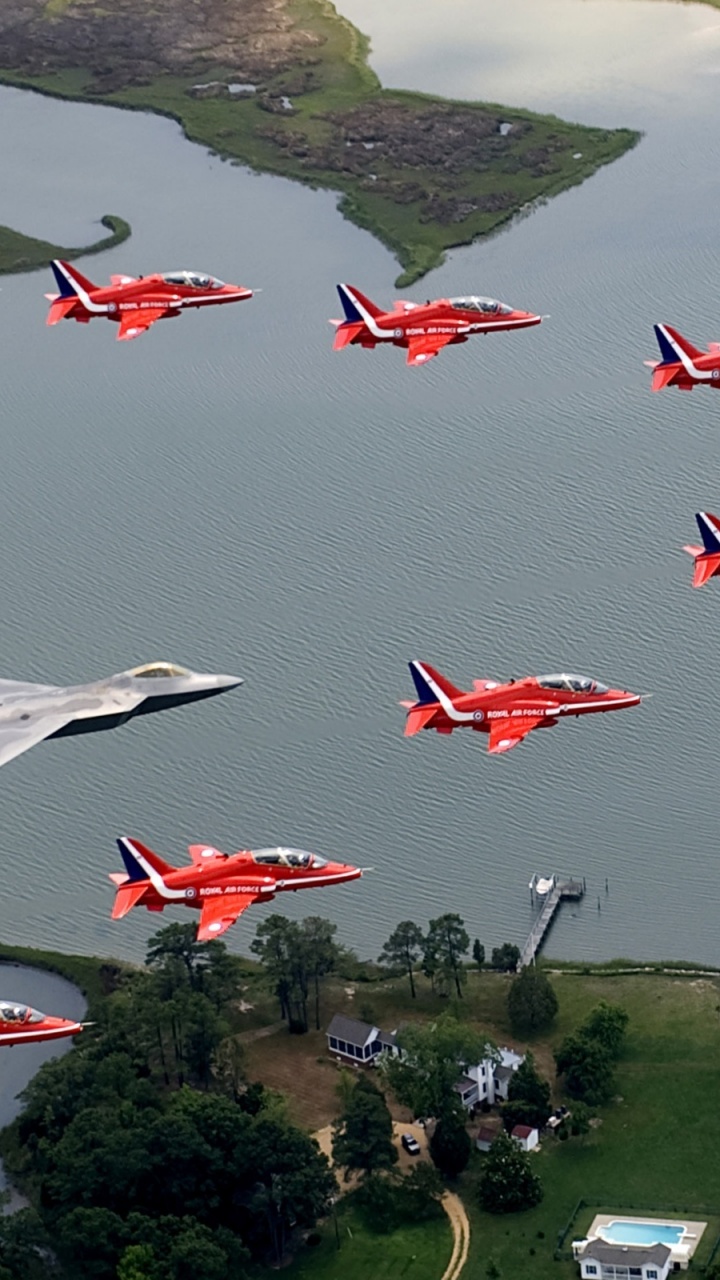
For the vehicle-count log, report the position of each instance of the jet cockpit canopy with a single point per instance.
(159, 670)
(192, 280)
(575, 684)
(487, 306)
(288, 858)
(18, 1013)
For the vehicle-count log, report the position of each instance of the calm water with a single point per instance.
(230, 493)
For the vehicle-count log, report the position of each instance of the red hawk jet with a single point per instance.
(707, 557)
(135, 303)
(222, 885)
(506, 712)
(21, 1025)
(682, 365)
(422, 328)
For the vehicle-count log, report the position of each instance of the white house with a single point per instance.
(601, 1261)
(489, 1080)
(525, 1137)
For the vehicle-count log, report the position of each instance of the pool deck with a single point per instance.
(681, 1252)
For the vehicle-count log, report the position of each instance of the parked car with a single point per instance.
(411, 1145)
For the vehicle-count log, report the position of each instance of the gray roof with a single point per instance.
(503, 1073)
(465, 1083)
(349, 1029)
(387, 1038)
(617, 1255)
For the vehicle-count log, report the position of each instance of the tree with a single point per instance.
(528, 1097)
(587, 1067)
(449, 939)
(580, 1119)
(433, 1058)
(505, 957)
(606, 1024)
(532, 1003)
(507, 1183)
(478, 952)
(320, 953)
(403, 949)
(450, 1146)
(278, 941)
(363, 1135)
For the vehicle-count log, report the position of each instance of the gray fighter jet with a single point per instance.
(29, 713)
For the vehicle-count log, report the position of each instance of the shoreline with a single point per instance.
(423, 174)
(19, 252)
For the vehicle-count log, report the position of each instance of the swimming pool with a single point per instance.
(647, 1233)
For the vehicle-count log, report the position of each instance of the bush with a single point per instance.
(450, 1147)
(532, 1003)
(507, 1183)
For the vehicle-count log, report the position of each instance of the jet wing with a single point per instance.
(508, 732)
(423, 348)
(136, 322)
(204, 853)
(219, 913)
(18, 735)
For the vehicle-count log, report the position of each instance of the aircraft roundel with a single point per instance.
(478, 715)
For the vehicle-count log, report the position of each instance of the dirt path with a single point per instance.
(455, 1210)
(259, 1033)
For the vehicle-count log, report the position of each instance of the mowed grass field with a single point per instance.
(419, 1252)
(656, 1147)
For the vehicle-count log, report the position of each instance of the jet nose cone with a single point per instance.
(227, 682)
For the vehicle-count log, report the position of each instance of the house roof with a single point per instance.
(503, 1073)
(486, 1135)
(388, 1038)
(617, 1255)
(464, 1083)
(522, 1131)
(350, 1029)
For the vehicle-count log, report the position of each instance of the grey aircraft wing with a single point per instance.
(24, 731)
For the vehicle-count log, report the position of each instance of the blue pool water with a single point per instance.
(641, 1233)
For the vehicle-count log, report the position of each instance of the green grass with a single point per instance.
(340, 80)
(419, 1252)
(22, 253)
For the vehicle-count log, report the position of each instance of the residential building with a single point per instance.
(485, 1138)
(526, 1137)
(354, 1041)
(601, 1261)
(490, 1078)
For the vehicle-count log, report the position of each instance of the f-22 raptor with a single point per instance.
(29, 713)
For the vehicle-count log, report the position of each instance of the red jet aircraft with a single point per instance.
(682, 365)
(424, 329)
(707, 557)
(21, 1025)
(135, 303)
(507, 712)
(222, 885)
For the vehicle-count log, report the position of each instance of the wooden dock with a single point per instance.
(562, 891)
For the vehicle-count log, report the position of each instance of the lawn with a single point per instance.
(419, 1252)
(656, 1146)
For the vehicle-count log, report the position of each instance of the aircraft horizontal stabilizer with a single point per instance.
(663, 375)
(705, 568)
(345, 334)
(128, 895)
(59, 309)
(418, 718)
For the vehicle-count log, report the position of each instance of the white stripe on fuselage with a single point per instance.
(461, 717)
(713, 529)
(702, 374)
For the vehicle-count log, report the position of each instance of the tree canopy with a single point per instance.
(403, 949)
(448, 941)
(434, 1057)
(532, 1003)
(296, 956)
(586, 1057)
(363, 1135)
(528, 1097)
(505, 957)
(507, 1183)
(450, 1146)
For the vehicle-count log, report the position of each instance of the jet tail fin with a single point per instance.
(432, 687)
(709, 527)
(673, 346)
(141, 862)
(70, 282)
(356, 306)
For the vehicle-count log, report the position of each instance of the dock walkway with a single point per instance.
(562, 891)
